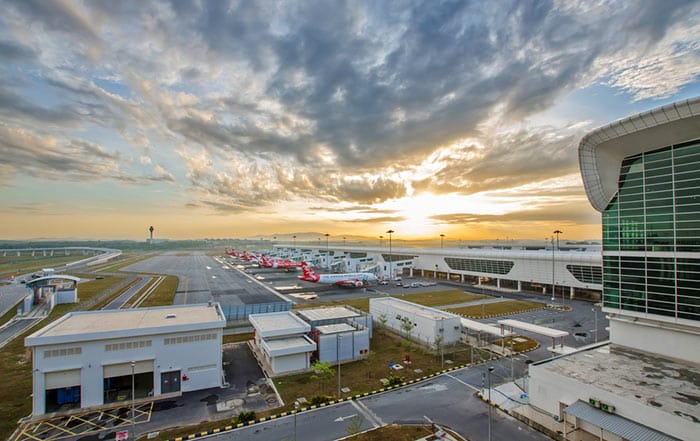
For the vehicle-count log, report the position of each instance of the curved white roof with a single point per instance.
(601, 151)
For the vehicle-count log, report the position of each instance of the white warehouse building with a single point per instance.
(88, 359)
(280, 338)
(426, 324)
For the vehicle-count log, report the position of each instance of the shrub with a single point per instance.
(319, 399)
(395, 380)
(244, 417)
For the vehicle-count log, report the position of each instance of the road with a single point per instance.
(128, 294)
(448, 400)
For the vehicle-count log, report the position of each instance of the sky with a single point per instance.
(252, 118)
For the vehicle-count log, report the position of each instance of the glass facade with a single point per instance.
(651, 234)
(499, 267)
(586, 273)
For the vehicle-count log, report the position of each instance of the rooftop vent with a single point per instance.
(170, 316)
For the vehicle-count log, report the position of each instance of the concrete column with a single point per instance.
(410, 273)
(498, 283)
(461, 278)
(520, 285)
(544, 290)
(478, 281)
(571, 292)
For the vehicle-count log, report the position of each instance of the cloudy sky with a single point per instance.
(242, 118)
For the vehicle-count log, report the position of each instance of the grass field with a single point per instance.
(430, 298)
(26, 263)
(125, 260)
(500, 308)
(16, 363)
(237, 338)
(163, 295)
(438, 298)
(364, 375)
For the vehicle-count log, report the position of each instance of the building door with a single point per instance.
(169, 382)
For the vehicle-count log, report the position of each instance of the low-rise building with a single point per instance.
(282, 341)
(417, 322)
(93, 358)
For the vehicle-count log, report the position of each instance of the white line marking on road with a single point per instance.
(466, 384)
(368, 414)
(341, 419)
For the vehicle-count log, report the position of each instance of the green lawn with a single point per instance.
(499, 308)
(438, 298)
(26, 263)
(163, 295)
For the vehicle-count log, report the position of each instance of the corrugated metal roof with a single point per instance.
(616, 424)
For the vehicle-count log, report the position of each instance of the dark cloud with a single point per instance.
(78, 161)
(332, 97)
(508, 160)
(13, 51)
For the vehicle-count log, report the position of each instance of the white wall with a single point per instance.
(548, 389)
(425, 329)
(180, 356)
(289, 363)
(655, 337)
(351, 343)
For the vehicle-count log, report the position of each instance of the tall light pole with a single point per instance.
(343, 240)
(558, 232)
(595, 321)
(391, 272)
(328, 256)
(295, 241)
(380, 241)
(133, 401)
(553, 291)
(442, 236)
(488, 375)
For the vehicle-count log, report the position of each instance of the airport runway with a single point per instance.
(203, 278)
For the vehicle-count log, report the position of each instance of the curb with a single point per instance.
(232, 426)
(493, 404)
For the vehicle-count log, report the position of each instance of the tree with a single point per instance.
(439, 338)
(322, 371)
(383, 319)
(407, 327)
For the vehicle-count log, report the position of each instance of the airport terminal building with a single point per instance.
(643, 174)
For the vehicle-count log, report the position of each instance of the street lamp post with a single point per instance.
(442, 236)
(553, 291)
(488, 375)
(343, 240)
(380, 242)
(295, 241)
(133, 400)
(391, 272)
(328, 256)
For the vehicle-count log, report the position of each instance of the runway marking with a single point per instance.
(464, 383)
(368, 414)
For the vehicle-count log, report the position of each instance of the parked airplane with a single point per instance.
(351, 280)
(280, 263)
(232, 253)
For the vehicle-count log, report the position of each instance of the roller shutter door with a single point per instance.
(123, 369)
(60, 379)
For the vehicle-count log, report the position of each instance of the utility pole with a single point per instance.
(328, 255)
(337, 358)
(442, 236)
(553, 292)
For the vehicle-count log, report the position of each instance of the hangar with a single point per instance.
(93, 358)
